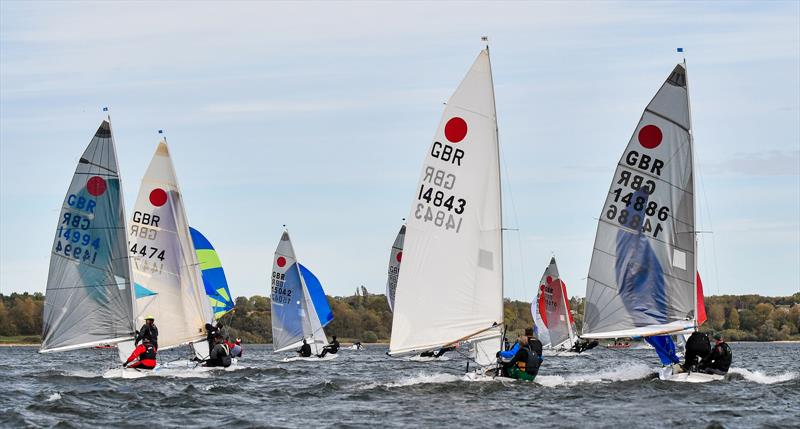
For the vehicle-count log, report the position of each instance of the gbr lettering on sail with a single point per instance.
(633, 201)
(438, 201)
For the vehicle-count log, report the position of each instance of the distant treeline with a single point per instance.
(366, 317)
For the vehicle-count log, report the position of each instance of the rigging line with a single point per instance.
(711, 227)
(516, 223)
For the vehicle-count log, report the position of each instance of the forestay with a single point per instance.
(294, 314)
(89, 299)
(642, 275)
(552, 318)
(165, 265)
(395, 257)
(450, 284)
(214, 281)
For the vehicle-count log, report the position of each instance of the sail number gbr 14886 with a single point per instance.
(445, 211)
(637, 212)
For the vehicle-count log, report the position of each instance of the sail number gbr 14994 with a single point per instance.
(439, 207)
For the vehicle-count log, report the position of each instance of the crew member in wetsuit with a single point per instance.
(581, 346)
(143, 356)
(220, 354)
(525, 363)
(719, 360)
(236, 350)
(698, 347)
(331, 348)
(535, 345)
(305, 349)
(148, 330)
(437, 353)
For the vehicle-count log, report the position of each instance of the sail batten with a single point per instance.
(642, 275)
(449, 284)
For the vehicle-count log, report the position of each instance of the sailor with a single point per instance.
(437, 353)
(698, 347)
(581, 346)
(525, 363)
(358, 345)
(143, 356)
(220, 354)
(211, 331)
(719, 360)
(331, 348)
(148, 330)
(236, 350)
(305, 349)
(534, 344)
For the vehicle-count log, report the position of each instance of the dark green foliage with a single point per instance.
(366, 317)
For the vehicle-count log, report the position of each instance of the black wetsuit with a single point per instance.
(527, 359)
(219, 356)
(146, 331)
(332, 348)
(698, 347)
(581, 346)
(718, 361)
(305, 350)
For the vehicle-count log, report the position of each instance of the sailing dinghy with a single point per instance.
(450, 284)
(395, 257)
(643, 276)
(300, 309)
(552, 318)
(166, 270)
(90, 298)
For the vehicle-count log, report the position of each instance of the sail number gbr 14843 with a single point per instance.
(445, 210)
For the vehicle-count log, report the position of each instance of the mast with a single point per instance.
(499, 180)
(694, 197)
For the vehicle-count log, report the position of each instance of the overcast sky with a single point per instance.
(318, 116)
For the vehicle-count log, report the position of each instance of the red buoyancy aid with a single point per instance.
(146, 354)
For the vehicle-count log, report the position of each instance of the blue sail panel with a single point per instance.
(287, 310)
(214, 281)
(665, 348)
(318, 297)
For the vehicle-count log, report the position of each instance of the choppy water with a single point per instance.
(606, 388)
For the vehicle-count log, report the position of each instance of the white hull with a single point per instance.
(182, 368)
(667, 374)
(328, 356)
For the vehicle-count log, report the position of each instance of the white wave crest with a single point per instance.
(762, 378)
(623, 373)
(416, 379)
(54, 397)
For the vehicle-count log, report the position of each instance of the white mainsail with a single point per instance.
(552, 318)
(89, 299)
(642, 275)
(450, 285)
(395, 257)
(294, 316)
(166, 272)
